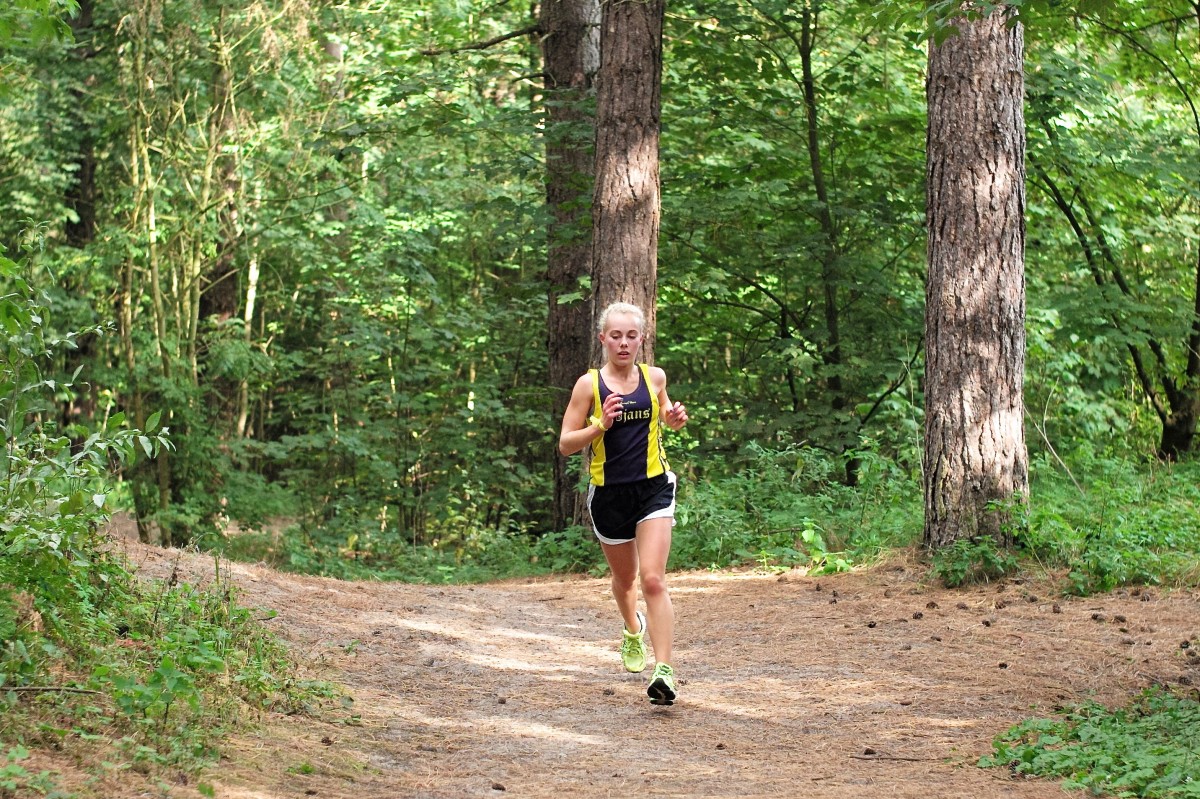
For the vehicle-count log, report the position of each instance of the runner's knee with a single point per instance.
(653, 585)
(622, 583)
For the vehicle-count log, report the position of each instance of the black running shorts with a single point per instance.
(617, 510)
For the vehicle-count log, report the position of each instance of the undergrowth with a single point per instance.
(1149, 749)
(775, 510)
(1111, 521)
(1127, 522)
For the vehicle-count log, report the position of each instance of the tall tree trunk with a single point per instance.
(625, 205)
(143, 226)
(570, 56)
(975, 461)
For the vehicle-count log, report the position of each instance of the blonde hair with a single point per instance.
(625, 308)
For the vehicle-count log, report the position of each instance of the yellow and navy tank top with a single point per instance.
(632, 448)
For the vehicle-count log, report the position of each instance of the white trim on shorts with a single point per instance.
(663, 513)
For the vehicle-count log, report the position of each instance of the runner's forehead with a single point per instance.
(621, 321)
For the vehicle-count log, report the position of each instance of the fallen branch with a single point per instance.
(49, 689)
(484, 44)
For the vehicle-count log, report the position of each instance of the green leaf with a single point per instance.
(73, 504)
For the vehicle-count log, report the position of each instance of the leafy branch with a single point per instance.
(485, 44)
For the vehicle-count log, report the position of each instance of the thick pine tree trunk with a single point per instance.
(625, 206)
(570, 56)
(975, 461)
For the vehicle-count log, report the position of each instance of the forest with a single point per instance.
(307, 283)
(310, 240)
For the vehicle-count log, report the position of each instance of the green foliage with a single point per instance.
(571, 550)
(53, 499)
(185, 662)
(1133, 523)
(969, 561)
(747, 254)
(15, 780)
(787, 508)
(1146, 750)
(358, 552)
(33, 22)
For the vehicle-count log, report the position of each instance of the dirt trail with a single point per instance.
(849, 686)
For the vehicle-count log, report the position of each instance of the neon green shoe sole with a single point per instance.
(633, 647)
(662, 686)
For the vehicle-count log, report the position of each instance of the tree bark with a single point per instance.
(570, 56)
(625, 204)
(975, 460)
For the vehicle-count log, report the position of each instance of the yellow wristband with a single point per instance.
(598, 421)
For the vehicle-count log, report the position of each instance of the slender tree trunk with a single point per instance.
(625, 205)
(249, 308)
(975, 461)
(143, 225)
(831, 249)
(1179, 428)
(81, 194)
(162, 462)
(219, 295)
(570, 56)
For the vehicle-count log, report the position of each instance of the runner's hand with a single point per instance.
(676, 416)
(610, 411)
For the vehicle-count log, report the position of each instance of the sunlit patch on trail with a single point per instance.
(531, 729)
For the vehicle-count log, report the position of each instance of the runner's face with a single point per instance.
(621, 338)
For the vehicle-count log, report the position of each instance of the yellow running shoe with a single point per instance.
(633, 648)
(662, 685)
